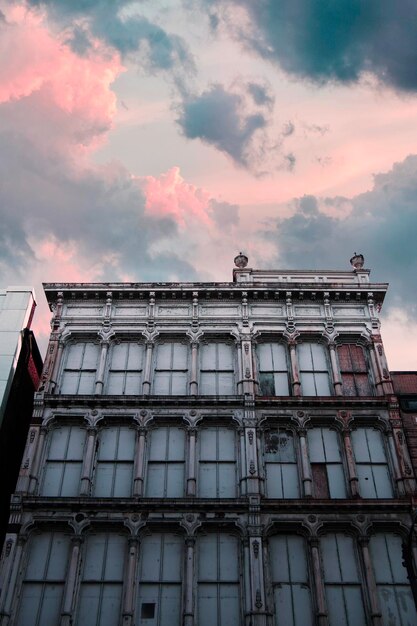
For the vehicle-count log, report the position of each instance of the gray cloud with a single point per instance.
(381, 223)
(329, 41)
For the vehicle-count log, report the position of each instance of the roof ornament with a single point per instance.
(357, 261)
(241, 260)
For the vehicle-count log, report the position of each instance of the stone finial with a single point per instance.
(241, 260)
(357, 261)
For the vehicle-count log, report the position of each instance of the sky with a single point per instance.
(153, 140)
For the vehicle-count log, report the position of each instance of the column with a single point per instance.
(247, 366)
(353, 479)
(191, 478)
(258, 603)
(101, 368)
(305, 465)
(243, 465)
(33, 476)
(9, 591)
(88, 461)
(239, 368)
(318, 582)
(189, 582)
(375, 370)
(148, 369)
(138, 481)
(251, 458)
(71, 580)
(130, 581)
(395, 454)
(376, 616)
(55, 368)
(337, 383)
(194, 369)
(295, 378)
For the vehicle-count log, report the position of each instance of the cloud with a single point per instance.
(326, 41)
(381, 224)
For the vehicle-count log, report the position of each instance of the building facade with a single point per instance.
(213, 454)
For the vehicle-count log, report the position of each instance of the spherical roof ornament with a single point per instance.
(357, 261)
(241, 260)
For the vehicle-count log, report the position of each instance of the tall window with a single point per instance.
(80, 369)
(114, 469)
(394, 593)
(125, 371)
(290, 581)
(43, 583)
(326, 463)
(371, 463)
(354, 370)
(160, 576)
(165, 477)
(342, 580)
(64, 462)
(218, 592)
(171, 368)
(100, 598)
(281, 465)
(217, 377)
(314, 371)
(273, 369)
(217, 465)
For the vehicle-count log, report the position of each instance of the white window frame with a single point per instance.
(63, 463)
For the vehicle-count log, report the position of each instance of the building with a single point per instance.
(20, 369)
(405, 388)
(214, 454)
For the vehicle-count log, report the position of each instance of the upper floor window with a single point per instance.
(354, 370)
(63, 465)
(171, 369)
(114, 465)
(217, 462)
(313, 367)
(217, 373)
(326, 463)
(281, 465)
(80, 369)
(273, 369)
(125, 369)
(371, 463)
(166, 462)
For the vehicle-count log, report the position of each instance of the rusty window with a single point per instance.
(273, 369)
(314, 369)
(326, 463)
(281, 465)
(354, 370)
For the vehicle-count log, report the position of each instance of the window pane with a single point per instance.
(75, 353)
(226, 384)
(322, 384)
(208, 384)
(175, 480)
(336, 478)
(87, 382)
(227, 480)
(176, 447)
(70, 382)
(71, 479)
(179, 383)
(308, 384)
(122, 480)
(225, 356)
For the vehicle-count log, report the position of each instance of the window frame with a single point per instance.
(84, 341)
(371, 465)
(273, 372)
(328, 464)
(216, 371)
(218, 463)
(62, 461)
(278, 430)
(115, 463)
(170, 370)
(167, 462)
(353, 372)
(124, 372)
(314, 372)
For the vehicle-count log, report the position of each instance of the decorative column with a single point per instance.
(375, 369)
(251, 457)
(322, 619)
(56, 366)
(345, 420)
(239, 368)
(138, 482)
(146, 385)
(395, 462)
(88, 461)
(295, 378)
(247, 365)
(71, 580)
(191, 478)
(305, 464)
(189, 582)
(243, 465)
(8, 590)
(337, 383)
(105, 337)
(382, 367)
(258, 603)
(130, 581)
(376, 616)
(34, 472)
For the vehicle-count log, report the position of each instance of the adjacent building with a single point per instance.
(213, 454)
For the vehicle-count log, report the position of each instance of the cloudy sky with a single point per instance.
(152, 140)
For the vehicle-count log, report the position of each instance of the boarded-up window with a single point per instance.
(43, 582)
(166, 462)
(218, 591)
(281, 465)
(79, 375)
(114, 467)
(354, 370)
(62, 471)
(394, 593)
(125, 369)
(100, 597)
(326, 463)
(290, 581)
(217, 377)
(314, 370)
(342, 580)
(171, 369)
(371, 463)
(273, 369)
(159, 580)
(217, 463)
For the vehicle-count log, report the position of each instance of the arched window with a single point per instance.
(80, 369)
(273, 369)
(63, 464)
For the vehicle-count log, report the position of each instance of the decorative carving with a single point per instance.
(258, 600)
(241, 260)
(26, 464)
(357, 261)
(8, 548)
(255, 546)
(32, 436)
(250, 436)
(252, 469)
(246, 348)
(247, 372)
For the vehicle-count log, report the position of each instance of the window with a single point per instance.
(79, 375)
(114, 470)
(354, 370)
(217, 466)
(342, 580)
(314, 372)
(281, 465)
(125, 371)
(394, 593)
(100, 597)
(218, 593)
(371, 463)
(166, 462)
(290, 581)
(64, 462)
(43, 583)
(160, 576)
(326, 463)
(217, 377)
(171, 368)
(273, 369)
